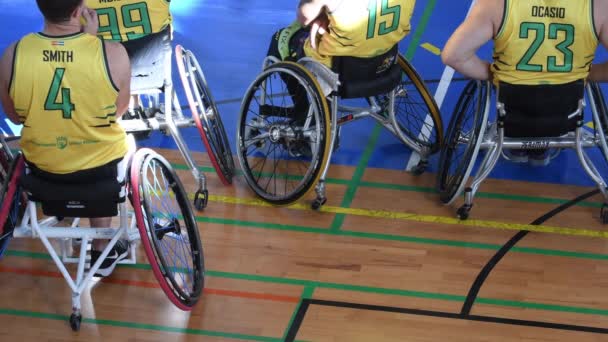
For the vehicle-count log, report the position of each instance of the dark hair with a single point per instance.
(57, 11)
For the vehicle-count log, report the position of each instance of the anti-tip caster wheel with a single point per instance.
(318, 203)
(201, 198)
(463, 212)
(75, 320)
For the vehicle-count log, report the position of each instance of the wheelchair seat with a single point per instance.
(99, 199)
(534, 111)
(367, 77)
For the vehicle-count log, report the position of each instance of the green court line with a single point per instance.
(372, 236)
(141, 326)
(351, 191)
(431, 190)
(367, 289)
(307, 293)
(403, 238)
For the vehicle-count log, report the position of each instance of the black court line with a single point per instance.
(451, 315)
(487, 269)
(471, 297)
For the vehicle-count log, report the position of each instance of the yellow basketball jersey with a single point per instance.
(545, 42)
(123, 20)
(65, 98)
(363, 28)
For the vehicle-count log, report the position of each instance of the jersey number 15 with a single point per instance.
(385, 10)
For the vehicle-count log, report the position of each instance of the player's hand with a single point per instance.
(318, 27)
(92, 22)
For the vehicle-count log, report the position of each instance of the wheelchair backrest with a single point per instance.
(366, 77)
(541, 110)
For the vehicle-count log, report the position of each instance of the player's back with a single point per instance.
(66, 99)
(545, 42)
(130, 19)
(364, 28)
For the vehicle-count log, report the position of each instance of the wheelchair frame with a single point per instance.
(172, 119)
(129, 228)
(494, 141)
(356, 113)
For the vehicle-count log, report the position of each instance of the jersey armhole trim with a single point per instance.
(503, 21)
(592, 19)
(107, 65)
(13, 63)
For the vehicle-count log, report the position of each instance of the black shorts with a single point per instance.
(148, 56)
(107, 171)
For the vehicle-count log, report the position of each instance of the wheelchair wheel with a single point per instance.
(463, 140)
(12, 207)
(205, 114)
(168, 229)
(283, 134)
(416, 113)
(602, 111)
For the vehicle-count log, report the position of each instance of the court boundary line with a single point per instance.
(439, 314)
(502, 252)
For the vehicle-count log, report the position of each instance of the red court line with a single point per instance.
(150, 285)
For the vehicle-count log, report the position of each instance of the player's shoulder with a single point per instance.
(115, 49)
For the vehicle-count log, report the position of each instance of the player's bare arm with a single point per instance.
(6, 68)
(309, 10)
(120, 71)
(479, 27)
(599, 72)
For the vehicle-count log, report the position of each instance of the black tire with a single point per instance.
(274, 132)
(171, 227)
(413, 103)
(468, 117)
(602, 111)
(12, 201)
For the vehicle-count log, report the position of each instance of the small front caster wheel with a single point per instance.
(75, 320)
(200, 199)
(318, 203)
(463, 212)
(420, 168)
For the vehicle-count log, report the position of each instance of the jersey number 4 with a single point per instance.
(385, 10)
(52, 102)
(540, 32)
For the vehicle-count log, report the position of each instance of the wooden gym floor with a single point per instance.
(383, 261)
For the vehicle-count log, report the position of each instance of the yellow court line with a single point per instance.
(431, 48)
(590, 124)
(422, 218)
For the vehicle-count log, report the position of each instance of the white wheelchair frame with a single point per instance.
(494, 141)
(170, 120)
(31, 227)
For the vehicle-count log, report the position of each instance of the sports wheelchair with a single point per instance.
(161, 220)
(528, 118)
(152, 76)
(287, 131)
